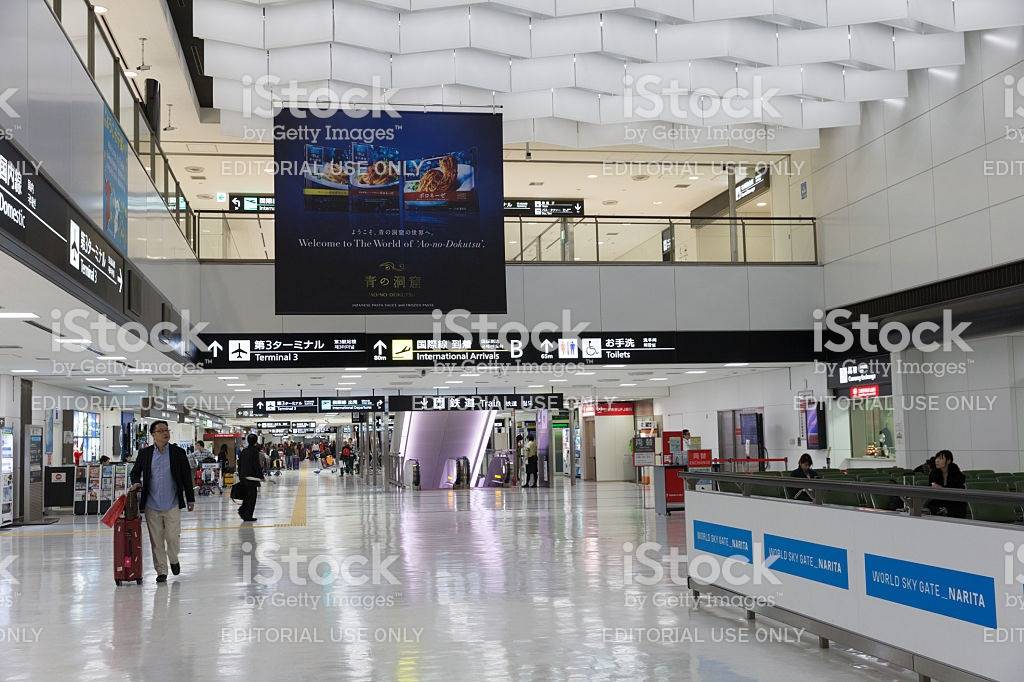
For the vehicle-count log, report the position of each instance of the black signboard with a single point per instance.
(545, 208)
(351, 404)
(286, 405)
(270, 426)
(390, 206)
(859, 371)
(251, 203)
(465, 403)
(268, 351)
(358, 351)
(36, 214)
(248, 413)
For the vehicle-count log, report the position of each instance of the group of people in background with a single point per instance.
(942, 472)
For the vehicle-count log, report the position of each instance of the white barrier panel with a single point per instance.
(949, 591)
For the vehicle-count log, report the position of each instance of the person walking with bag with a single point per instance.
(250, 474)
(163, 474)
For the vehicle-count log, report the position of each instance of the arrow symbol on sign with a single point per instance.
(120, 281)
(216, 348)
(380, 347)
(578, 208)
(547, 346)
(259, 405)
(380, 404)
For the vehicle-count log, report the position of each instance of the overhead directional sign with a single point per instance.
(270, 426)
(544, 208)
(37, 215)
(352, 404)
(268, 351)
(465, 403)
(286, 405)
(248, 412)
(251, 203)
(344, 351)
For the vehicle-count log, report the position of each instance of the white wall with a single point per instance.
(239, 297)
(611, 441)
(979, 413)
(903, 199)
(696, 406)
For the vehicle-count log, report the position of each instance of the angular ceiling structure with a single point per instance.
(763, 75)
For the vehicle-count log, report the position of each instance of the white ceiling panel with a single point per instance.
(500, 32)
(630, 36)
(586, 68)
(365, 26)
(299, 23)
(228, 22)
(434, 30)
(300, 63)
(567, 35)
(360, 65)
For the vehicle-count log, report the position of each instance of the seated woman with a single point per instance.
(803, 470)
(947, 474)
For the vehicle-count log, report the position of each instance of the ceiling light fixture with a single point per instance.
(99, 9)
(559, 381)
(24, 371)
(73, 341)
(346, 383)
(135, 392)
(737, 364)
(140, 370)
(592, 177)
(535, 386)
(227, 378)
(355, 369)
(118, 386)
(351, 376)
(697, 371)
(143, 66)
(614, 366)
(626, 385)
(97, 379)
(659, 379)
(243, 390)
(762, 204)
(111, 357)
(18, 316)
(170, 127)
(235, 385)
(454, 382)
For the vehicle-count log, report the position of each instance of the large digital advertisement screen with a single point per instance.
(388, 214)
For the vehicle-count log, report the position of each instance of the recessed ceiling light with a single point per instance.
(697, 371)
(513, 243)
(99, 9)
(592, 176)
(18, 316)
(130, 74)
(243, 390)
(658, 203)
(558, 381)
(97, 379)
(134, 391)
(118, 386)
(351, 376)
(614, 366)
(355, 369)
(140, 370)
(736, 364)
(659, 379)
(111, 357)
(344, 388)
(626, 385)
(535, 386)
(585, 374)
(24, 371)
(346, 383)
(469, 376)
(762, 204)
(73, 341)
(453, 382)
(227, 378)
(235, 385)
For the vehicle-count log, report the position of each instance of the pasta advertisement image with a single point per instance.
(388, 214)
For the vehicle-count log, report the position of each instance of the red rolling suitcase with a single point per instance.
(128, 543)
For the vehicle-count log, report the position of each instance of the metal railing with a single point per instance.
(595, 239)
(90, 36)
(916, 496)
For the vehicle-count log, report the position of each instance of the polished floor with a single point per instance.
(468, 585)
